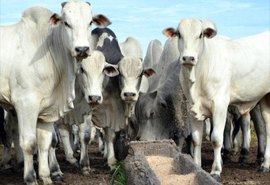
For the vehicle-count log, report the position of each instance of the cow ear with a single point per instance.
(209, 29)
(55, 19)
(111, 70)
(63, 4)
(169, 32)
(153, 94)
(101, 20)
(149, 72)
(162, 103)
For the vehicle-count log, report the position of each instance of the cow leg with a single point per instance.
(197, 133)
(18, 149)
(55, 170)
(258, 122)
(44, 137)
(265, 108)
(245, 126)
(84, 135)
(27, 114)
(207, 129)
(219, 118)
(227, 139)
(64, 133)
(7, 141)
(109, 137)
(75, 140)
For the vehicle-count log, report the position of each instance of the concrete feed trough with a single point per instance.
(159, 163)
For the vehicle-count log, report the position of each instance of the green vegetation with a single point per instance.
(119, 176)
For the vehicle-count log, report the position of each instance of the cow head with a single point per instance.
(76, 21)
(150, 111)
(192, 34)
(131, 72)
(93, 70)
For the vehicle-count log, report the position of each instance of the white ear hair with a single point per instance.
(209, 29)
(144, 85)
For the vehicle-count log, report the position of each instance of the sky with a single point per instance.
(145, 19)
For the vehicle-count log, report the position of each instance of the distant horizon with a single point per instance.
(145, 20)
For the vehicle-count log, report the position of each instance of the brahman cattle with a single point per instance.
(37, 73)
(218, 72)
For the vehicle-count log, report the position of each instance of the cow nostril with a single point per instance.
(188, 59)
(94, 98)
(184, 59)
(129, 94)
(82, 49)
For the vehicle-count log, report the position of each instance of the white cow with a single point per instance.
(37, 73)
(133, 75)
(94, 69)
(111, 114)
(218, 72)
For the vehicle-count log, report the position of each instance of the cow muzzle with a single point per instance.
(129, 96)
(82, 52)
(188, 61)
(95, 100)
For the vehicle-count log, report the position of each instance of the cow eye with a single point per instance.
(82, 70)
(67, 25)
(178, 35)
(200, 36)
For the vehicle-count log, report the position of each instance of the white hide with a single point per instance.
(37, 74)
(222, 72)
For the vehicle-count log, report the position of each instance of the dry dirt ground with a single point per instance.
(233, 172)
(101, 174)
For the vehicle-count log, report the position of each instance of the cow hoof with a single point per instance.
(243, 160)
(47, 180)
(58, 179)
(86, 171)
(264, 170)
(259, 160)
(216, 177)
(76, 165)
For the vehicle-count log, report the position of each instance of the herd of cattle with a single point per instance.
(59, 79)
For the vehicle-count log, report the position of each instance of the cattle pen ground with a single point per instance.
(233, 172)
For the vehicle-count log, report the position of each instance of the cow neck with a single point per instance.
(65, 69)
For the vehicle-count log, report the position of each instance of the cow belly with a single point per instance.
(201, 108)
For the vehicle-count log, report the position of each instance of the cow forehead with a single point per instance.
(130, 66)
(190, 27)
(95, 62)
(77, 10)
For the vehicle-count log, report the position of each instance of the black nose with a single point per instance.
(81, 51)
(188, 59)
(129, 94)
(94, 99)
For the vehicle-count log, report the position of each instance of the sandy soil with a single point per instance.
(163, 168)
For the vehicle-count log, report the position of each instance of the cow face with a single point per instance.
(131, 72)
(191, 34)
(76, 20)
(151, 113)
(93, 70)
